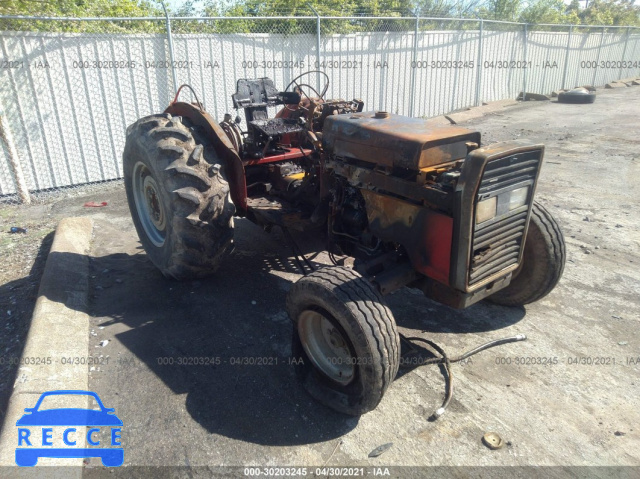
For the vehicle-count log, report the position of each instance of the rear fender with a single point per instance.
(224, 149)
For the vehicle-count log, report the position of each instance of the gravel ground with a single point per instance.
(22, 260)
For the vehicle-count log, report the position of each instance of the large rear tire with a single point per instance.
(178, 196)
(345, 342)
(542, 262)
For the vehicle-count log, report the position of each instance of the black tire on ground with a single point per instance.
(178, 196)
(542, 262)
(566, 97)
(337, 306)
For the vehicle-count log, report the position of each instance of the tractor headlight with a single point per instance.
(486, 209)
(518, 198)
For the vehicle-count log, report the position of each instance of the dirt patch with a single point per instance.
(22, 260)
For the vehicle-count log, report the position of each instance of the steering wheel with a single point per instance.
(306, 85)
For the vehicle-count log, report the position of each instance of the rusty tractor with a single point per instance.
(409, 204)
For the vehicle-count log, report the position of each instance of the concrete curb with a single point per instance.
(616, 84)
(438, 121)
(479, 111)
(59, 329)
(533, 97)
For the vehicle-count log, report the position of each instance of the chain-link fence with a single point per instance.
(70, 87)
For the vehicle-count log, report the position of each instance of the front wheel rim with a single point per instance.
(151, 212)
(326, 347)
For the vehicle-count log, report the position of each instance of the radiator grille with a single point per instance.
(497, 243)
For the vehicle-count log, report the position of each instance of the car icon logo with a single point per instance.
(27, 452)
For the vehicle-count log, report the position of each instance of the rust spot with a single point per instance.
(398, 141)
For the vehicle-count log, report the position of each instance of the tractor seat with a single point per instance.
(277, 126)
(261, 93)
(254, 96)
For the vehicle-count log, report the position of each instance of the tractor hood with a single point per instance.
(394, 141)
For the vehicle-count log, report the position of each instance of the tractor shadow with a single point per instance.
(225, 341)
(20, 296)
(414, 311)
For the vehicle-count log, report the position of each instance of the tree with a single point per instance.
(611, 12)
(81, 8)
(548, 11)
(597, 12)
(505, 10)
(447, 8)
(346, 8)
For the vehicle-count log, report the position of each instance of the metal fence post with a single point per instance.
(317, 43)
(566, 58)
(412, 88)
(595, 70)
(170, 40)
(624, 52)
(524, 73)
(479, 71)
(14, 161)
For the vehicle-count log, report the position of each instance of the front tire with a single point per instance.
(345, 342)
(178, 196)
(542, 262)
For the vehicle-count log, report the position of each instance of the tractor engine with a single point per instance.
(458, 212)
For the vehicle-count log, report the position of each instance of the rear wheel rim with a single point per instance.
(326, 347)
(151, 212)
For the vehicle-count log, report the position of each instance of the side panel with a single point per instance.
(425, 233)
